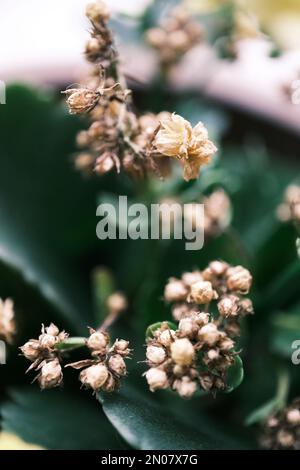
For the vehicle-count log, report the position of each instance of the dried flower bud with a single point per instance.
(209, 334)
(117, 365)
(52, 330)
(202, 292)
(156, 37)
(245, 307)
(111, 384)
(157, 379)
(228, 306)
(155, 354)
(97, 11)
(232, 328)
(239, 279)
(213, 354)
(285, 438)
(105, 163)
(182, 310)
(7, 320)
(216, 269)
(187, 327)
(31, 349)
(121, 346)
(175, 291)
(84, 162)
(98, 341)
(206, 381)
(94, 376)
(116, 302)
(191, 278)
(226, 344)
(166, 337)
(177, 138)
(51, 375)
(182, 352)
(185, 387)
(293, 416)
(47, 341)
(81, 100)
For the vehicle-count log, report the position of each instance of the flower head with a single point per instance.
(177, 138)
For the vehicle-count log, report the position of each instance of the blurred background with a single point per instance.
(45, 46)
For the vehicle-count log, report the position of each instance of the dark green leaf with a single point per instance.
(56, 419)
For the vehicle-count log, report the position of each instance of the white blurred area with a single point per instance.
(42, 41)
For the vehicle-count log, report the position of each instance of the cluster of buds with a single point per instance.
(45, 358)
(107, 366)
(282, 430)
(175, 36)
(217, 213)
(117, 138)
(289, 210)
(199, 352)
(7, 320)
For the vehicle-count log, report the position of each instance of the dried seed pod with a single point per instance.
(182, 352)
(209, 334)
(155, 354)
(117, 365)
(51, 375)
(202, 292)
(116, 302)
(175, 291)
(98, 341)
(157, 379)
(94, 376)
(185, 387)
(31, 350)
(238, 279)
(228, 306)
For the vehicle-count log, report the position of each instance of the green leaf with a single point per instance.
(262, 413)
(155, 326)
(146, 425)
(235, 375)
(70, 344)
(103, 286)
(47, 210)
(57, 420)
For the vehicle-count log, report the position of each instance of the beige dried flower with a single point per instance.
(177, 138)
(239, 279)
(7, 320)
(116, 303)
(155, 354)
(98, 341)
(51, 375)
(117, 365)
(156, 378)
(228, 306)
(94, 377)
(97, 11)
(81, 100)
(175, 291)
(185, 387)
(209, 334)
(182, 352)
(202, 292)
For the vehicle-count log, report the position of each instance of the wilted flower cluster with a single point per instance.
(289, 210)
(45, 358)
(107, 365)
(202, 348)
(117, 138)
(217, 213)
(176, 35)
(7, 320)
(282, 430)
